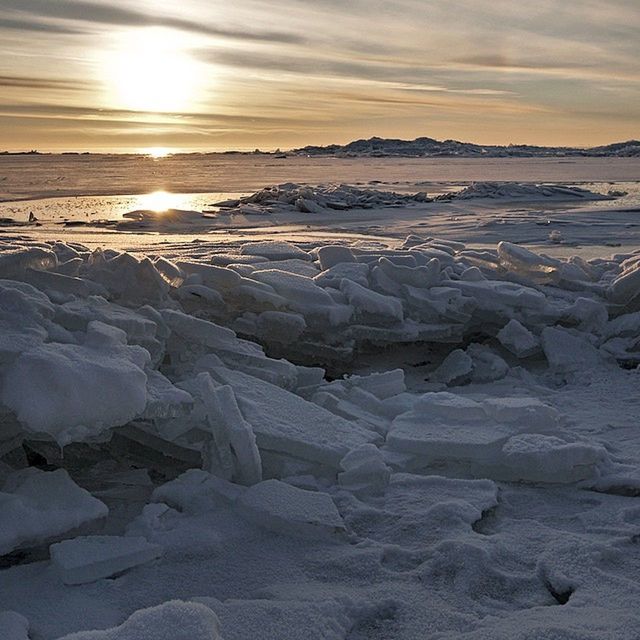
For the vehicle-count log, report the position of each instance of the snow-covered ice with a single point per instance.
(36, 506)
(300, 436)
(90, 558)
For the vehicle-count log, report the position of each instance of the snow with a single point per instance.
(174, 620)
(278, 619)
(14, 626)
(334, 432)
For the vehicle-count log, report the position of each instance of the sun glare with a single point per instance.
(159, 201)
(157, 152)
(152, 70)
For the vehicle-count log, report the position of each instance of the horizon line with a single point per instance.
(173, 151)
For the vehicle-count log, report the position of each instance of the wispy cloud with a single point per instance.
(28, 24)
(40, 83)
(91, 14)
(281, 72)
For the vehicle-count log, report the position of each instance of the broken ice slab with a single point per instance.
(331, 255)
(233, 437)
(194, 337)
(293, 265)
(282, 508)
(53, 283)
(533, 457)
(408, 331)
(304, 296)
(625, 289)
(351, 411)
(492, 295)
(274, 250)
(444, 426)
(518, 339)
(164, 400)
(456, 367)
(487, 365)
(199, 331)
(280, 326)
(569, 352)
(515, 438)
(370, 304)
(76, 391)
(196, 491)
(410, 433)
(16, 260)
(364, 470)
(36, 506)
(90, 558)
(285, 422)
(382, 385)
(142, 443)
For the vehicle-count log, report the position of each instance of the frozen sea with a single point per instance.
(71, 193)
(322, 413)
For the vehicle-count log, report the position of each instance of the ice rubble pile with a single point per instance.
(322, 199)
(316, 199)
(161, 366)
(81, 328)
(522, 190)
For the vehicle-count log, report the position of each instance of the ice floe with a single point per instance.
(344, 437)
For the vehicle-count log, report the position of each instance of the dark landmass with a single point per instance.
(428, 147)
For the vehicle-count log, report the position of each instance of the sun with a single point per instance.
(151, 70)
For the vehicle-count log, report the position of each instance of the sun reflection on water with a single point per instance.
(160, 201)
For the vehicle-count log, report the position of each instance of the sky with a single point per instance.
(126, 75)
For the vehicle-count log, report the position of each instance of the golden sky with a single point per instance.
(210, 75)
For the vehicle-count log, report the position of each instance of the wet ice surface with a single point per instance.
(331, 432)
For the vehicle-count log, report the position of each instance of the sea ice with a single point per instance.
(364, 470)
(518, 339)
(174, 620)
(13, 626)
(286, 509)
(36, 506)
(75, 391)
(91, 558)
(274, 250)
(285, 422)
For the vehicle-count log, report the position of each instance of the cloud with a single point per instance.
(330, 68)
(34, 25)
(393, 75)
(21, 82)
(93, 13)
(76, 113)
(501, 61)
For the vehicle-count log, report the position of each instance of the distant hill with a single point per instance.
(430, 148)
